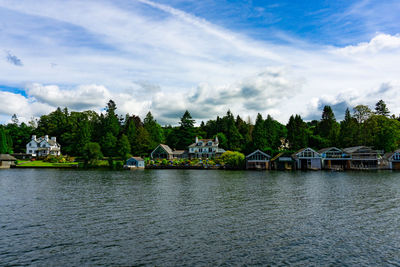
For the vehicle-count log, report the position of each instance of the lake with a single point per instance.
(199, 218)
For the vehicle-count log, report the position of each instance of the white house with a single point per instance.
(43, 146)
(205, 148)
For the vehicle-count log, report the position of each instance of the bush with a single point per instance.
(232, 160)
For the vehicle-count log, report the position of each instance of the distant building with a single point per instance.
(205, 148)
(43, 146)
(162, 152)
(394, 160)
(6, 161)
(258, 160)
(362, 157)
(135, 162)
(334, 159)
(283, 162)
(307, 159)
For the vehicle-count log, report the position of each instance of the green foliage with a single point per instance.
(232, 160)
(3, 141)
(92, 152)
(328, 129)
(297, 133)
(381, 108)
(186, 132)
(124, 147)
(154, 129)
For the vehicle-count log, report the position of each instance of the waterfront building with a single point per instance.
(6, 161)
(283, 162)
(362, 157)
(43, 146)
(258, 160)
(162, 152)
(135, 162)
(205, 148)
(394, 160)
(307, 159)
(334, 158)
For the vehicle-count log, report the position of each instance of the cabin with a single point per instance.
(6, 161)
(362, 157)
(43, 146)
(162, 152)
(135, 162)
(258, 160)
(283, 162)
(394, 160)
(205, 148)
(307, 159)
(334, 159)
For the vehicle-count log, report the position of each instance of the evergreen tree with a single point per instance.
(381, 108)
(92, 152)
(231, 132)
(130, 132)
(82, 137)
(154, 129)
(3, 141)
(260, 134)
(108, 144)
(297, 132)
(328, 128)
(124, 147)
(348, 130)
(142, 146)
(186, 131)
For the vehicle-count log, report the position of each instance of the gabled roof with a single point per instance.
(355, 149)
(204, 142)
(7, 157)
(179, 152)
(389, 155)
(258, 151)
(136, 158)
(329, 148)
(294, 155)
(282, 154)
(166, 148)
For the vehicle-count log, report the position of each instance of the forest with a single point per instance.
(88, 133)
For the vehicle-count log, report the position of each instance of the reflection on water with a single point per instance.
(199, 217)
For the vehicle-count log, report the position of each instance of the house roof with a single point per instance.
(294, 155)
(178, 152)
(166, 148)
(137, 158)
(354, 149)
(204, 142)
(7, 157)
(327, 149)
(388, 155)
(258, 151)
(282, 154)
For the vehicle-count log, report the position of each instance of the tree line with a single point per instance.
(89, 134)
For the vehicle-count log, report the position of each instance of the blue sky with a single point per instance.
(272, 57)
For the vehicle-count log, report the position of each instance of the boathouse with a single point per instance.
(362, 157)
(283, 162)
(135, 162)
(6, 161)
(258, 160)
(307, 159)
(394, 160)
(334, 158)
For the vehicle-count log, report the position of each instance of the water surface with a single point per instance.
(199, 217)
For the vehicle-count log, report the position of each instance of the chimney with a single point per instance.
(46, 137)
(53, 138)
(34, 137)
(197, 140)
(216, 139)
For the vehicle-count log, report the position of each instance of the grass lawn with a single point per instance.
(40, 163)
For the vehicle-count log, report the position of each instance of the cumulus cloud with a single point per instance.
(380, 43)
(168, 61)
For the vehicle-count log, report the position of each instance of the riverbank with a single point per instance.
(43, 164)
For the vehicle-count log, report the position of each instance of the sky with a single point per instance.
(270, 57)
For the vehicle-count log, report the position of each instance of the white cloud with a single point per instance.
(169, 61)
